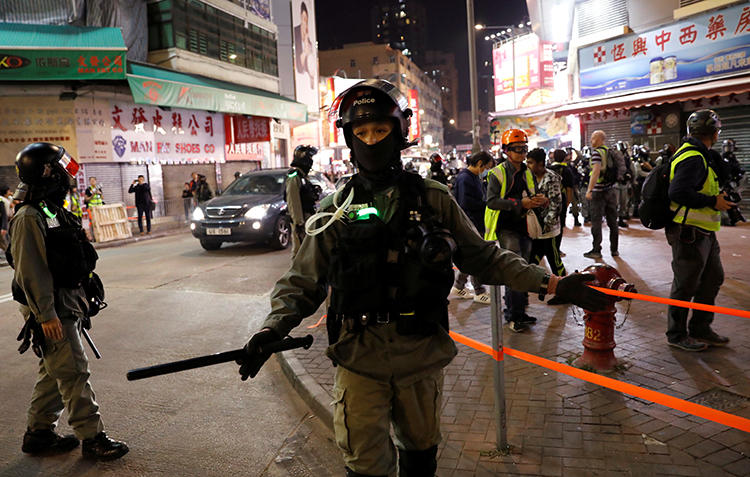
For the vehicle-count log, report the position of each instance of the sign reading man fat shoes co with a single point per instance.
(711, 44)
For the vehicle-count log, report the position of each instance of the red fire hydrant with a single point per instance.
(599, 336)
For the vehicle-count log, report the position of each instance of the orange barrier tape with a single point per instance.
(714, 415)
(671, 301)
(496, 355)
(320, 321)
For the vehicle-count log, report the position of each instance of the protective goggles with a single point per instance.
(518, 149)
(67, 162)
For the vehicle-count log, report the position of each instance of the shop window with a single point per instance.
(392, 59)
(194, 26)
(375, 60)
(352, 62)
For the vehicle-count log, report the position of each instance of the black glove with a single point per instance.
(573, 289)
(251, 364)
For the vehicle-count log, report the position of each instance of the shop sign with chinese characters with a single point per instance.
(61, 65)
(30, 119)
(715, 43)
(150, 134)
(92, 130)
(247, 138)
(414, 126)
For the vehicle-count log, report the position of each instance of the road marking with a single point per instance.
(6, 297)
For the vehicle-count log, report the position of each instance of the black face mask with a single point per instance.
(54, 188)
(380, 161)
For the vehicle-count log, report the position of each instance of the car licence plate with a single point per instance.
(219, 231)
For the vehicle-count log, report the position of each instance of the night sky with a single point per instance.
(338, 23)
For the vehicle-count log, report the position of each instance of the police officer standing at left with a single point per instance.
(300, 194)
(52, 258)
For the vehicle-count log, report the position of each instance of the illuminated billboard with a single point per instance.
(523, 72)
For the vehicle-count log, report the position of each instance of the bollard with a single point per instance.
(599, 336)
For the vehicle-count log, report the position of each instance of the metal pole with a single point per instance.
(473, 76)
(501, 433)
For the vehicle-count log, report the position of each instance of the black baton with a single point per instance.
(91, 343)
(216, 358)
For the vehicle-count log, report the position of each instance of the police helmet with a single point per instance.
(436, 158)
(704, 122)
(303, 157)
(372, 100)
(728, 145)
(33, 159)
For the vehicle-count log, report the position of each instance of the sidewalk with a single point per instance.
(157, 232)
(561, 426)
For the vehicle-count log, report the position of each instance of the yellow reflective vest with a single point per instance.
(706, 218)
(501, 172)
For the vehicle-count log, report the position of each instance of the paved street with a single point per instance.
(169, 299)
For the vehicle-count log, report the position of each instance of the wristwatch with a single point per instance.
(543, 287)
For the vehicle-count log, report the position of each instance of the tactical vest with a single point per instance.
(501, 171)
(376, 271)
(70, 256)
(307, 193)
(706, 218)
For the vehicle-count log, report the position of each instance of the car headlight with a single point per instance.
(257, 212)
(198, 214)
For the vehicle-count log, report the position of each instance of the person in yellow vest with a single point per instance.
(697, 203)
(93, 193)
(511, 192)
(73, 202)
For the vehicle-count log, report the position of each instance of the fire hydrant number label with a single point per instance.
(593, 334)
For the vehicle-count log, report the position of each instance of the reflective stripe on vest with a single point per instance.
(706, 218)
(491, 216)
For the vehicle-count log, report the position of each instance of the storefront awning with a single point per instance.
(723, 87)
(60, 52)
(161, 87)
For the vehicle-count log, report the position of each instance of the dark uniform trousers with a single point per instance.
(698, 275)
(63, 381)
(604, 204)
(515, 301)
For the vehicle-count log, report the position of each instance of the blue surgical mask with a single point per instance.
(484, 173)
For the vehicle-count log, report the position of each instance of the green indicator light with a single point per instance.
(367, 212)
(46, 210)
(293, 174)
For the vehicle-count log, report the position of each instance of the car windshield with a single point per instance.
(256, 184)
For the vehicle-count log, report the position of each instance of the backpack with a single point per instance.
(614, 166)
(654, 210)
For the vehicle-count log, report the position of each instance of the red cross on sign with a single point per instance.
(600, 54)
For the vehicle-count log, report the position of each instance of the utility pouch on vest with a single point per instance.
(423, 324)
(333, 327)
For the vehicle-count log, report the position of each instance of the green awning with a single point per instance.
(55, 52)
(162, 87)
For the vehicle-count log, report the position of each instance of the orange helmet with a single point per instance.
(514, 135)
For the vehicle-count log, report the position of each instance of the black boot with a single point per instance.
(417, 463)
(101, 447)
(622, 223)
(45, 441)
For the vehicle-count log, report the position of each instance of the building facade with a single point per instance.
(211, 106)
(402, 25)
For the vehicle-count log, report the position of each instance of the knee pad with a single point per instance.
(351, 473)
(417, 463)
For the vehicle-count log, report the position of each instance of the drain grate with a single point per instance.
(720, 399)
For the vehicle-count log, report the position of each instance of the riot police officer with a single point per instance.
(52, 258)
(300, 193)
(436, 169)
(386, 251)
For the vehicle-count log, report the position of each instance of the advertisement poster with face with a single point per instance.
(305, 53)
